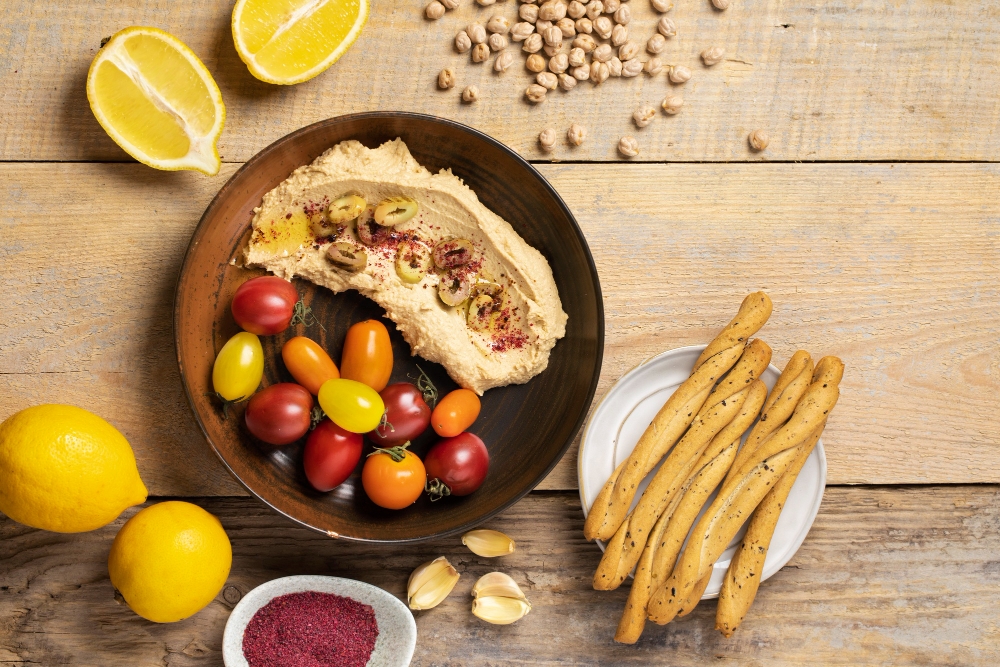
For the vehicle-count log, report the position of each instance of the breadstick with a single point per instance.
(740, 497)
(675, 416)
(694, 597)
(780, 404)
(726, 414)
(739, 587)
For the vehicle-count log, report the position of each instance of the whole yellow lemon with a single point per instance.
(65, 469)
(170, 560)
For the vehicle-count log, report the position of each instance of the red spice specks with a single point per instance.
(310, 630)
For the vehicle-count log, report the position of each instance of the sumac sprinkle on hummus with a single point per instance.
(310, 629)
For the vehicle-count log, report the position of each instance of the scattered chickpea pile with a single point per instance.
(571, 42)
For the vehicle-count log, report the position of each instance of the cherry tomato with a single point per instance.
(330, 456)
(390, 483)
(265, 305)
(455, 412)
(458, 465)
(279, 414)
(367, 354)
(406, 416)
(239, 367)
(351, 405)
(308, 363)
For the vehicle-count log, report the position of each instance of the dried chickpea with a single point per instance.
(547, 139)
(553, 10)
(476, 33)
(521, 31)
(628, 51)
(553, 36)
(656, 43)
(535, 93)
(679, 74)
(643, 116)
(584, 26)
(611, 6)
(567, 26)
(628, 146)
(567, 82)
(503, 61)
(603, 26)
(533, 44)
(535, 63)
(497, 42)
(434, 10)
(486, 3)
(672, 104)
(758, 140)
(713, 56)
(559, 63)
(528, 13)
(603, 53)
(480, 53)
(446, 79)
(721, 5)
(552, 50)
(623, 15)
(653, 66)
(547, 80)
(632, 67)
(499, 25)
(662, 5)
(666, 27)
(594, 9)
(581, 73)
(577, 57)
(576, 134)
(470, 94)
(615, 67)
(463, 43)
(619, 35)
(576, 10)
(541, 26)
(585, 42)
(449, 4)
(599, 72)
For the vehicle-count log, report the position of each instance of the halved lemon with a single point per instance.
(157, 100)
(291, 41)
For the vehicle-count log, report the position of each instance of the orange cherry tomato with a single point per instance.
(367, 355)
(308, 363)
(391, 483)
(455, 412)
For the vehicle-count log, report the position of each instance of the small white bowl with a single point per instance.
(397, 631)
(626, 410)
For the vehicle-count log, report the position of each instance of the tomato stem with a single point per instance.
(383, 423)
(303, 314)
(225, 403)
(316, 416)
(427, 388)
(436, 489)
(397, 453)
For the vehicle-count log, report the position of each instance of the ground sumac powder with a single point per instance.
(310, 630)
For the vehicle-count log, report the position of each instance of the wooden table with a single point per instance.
(872, 220)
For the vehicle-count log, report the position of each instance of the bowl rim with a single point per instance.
(249, 165)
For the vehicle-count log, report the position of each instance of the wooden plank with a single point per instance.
(887, 576)
(849, 80)
(895, 268)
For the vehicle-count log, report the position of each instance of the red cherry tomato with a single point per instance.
(367, 354)
(407, 415)
(457, 464)
(455, 412)
(265, 305)
(308, 363)
(393, 484)
(279, 414)
(330, 456)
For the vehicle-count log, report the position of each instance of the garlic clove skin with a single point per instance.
(497, 584)
(430, 584)
(500, 610)
(488, 543)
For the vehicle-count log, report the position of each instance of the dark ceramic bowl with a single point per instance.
(527, 428)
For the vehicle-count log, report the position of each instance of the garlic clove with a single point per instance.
(497, 584)
(431, 583)
(500, 610)
(488, 543)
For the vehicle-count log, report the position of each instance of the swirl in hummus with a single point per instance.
(507, 316)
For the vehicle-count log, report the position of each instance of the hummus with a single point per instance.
(507, 343)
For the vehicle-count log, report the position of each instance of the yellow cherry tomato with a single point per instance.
(239, 367)
(351, 405)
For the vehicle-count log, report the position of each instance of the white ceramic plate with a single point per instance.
(627, 409)
(397, 631)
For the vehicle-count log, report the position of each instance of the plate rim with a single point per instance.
(200, 231)
(801, 535)
(310, 579)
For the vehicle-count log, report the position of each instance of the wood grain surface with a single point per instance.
(894, 268)
(887, 576)
(845, 80)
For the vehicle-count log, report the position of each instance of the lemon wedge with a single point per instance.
(157, 100)
(291, 41)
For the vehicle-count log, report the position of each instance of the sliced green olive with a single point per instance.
(347, 256)
(454, 289)
(413, 261)
(345, 208)
(488, 288)
(367, 227)
(451, 253)
(395, 211)
(483, 313)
